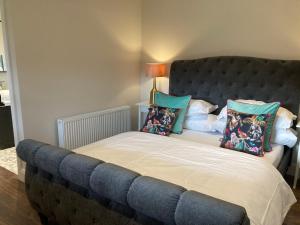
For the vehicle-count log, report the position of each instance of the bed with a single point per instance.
(213, 138)
(140, 178)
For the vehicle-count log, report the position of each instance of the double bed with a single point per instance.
(213, 138)
(187, 179)
(242, 179)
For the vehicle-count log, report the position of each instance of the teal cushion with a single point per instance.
(268, 108)
(169, 101)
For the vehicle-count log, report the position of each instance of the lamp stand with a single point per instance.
(153, 91)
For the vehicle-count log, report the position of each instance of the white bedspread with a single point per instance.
(274, 157)
(224, 174)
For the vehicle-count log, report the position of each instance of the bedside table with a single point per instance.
(297, 148)
(143, 110)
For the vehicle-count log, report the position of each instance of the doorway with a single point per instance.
(8, 158)
(11, 126)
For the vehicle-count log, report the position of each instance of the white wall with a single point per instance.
(3, 75)
(176, 29)
(73, 56)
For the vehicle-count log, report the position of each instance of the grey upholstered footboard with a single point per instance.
(67, 188)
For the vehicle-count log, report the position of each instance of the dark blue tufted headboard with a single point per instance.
(217, 79)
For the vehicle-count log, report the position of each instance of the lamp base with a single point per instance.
(152, 96)
(153, 91)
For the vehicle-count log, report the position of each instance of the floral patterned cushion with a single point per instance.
(245, 132)
(160, 120)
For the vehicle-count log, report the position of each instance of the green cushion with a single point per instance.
(169, 101)
(268, 108)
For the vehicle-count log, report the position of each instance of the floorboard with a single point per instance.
(293, 217)
(16, 210)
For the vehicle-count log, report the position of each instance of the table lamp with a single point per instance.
(155, 70)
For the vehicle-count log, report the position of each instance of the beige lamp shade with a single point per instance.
(156, 70)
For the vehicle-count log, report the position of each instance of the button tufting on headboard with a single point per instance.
(217, 79)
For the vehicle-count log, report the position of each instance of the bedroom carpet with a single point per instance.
(16, 210)
(8, 159)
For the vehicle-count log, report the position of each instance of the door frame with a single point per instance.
(13, 83)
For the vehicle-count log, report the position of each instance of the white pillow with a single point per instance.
(197, 117)
(219, 125)
(223, 114)
(204, 125)
(286, 137)
(283, 120)
(197, 107)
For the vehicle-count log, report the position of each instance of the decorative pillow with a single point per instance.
(287, 137)
(160, 120)
(169, 101)
(245, 132)
(268, 108)
(198, 107)
(223, 113)
(284, 118)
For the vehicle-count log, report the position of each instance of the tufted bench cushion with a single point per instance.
(62, 185)
(49, 158)
(113, 182)
(155, 198)
(78, 168)
(27, 150)
(188, 211)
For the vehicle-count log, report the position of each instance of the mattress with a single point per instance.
(274, 157)
(239, 178)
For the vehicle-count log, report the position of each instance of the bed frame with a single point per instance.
(67, 188)
(217, 79)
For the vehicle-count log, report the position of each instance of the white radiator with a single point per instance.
(80, 130)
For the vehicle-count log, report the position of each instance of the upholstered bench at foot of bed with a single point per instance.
(67, 188)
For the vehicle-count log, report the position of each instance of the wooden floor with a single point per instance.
(16, 210)
(14, 206)
(293, 217)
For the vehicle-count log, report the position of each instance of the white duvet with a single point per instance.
(232, 176)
